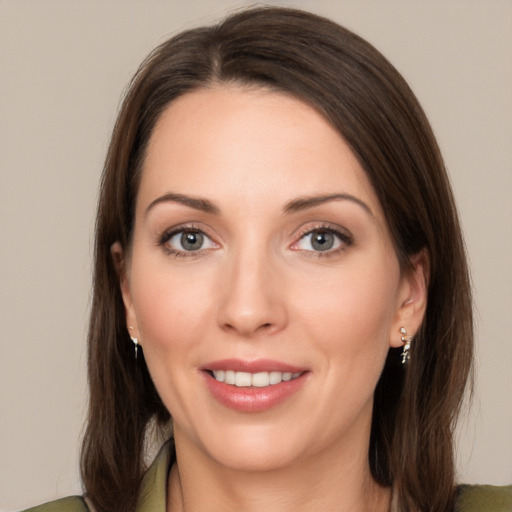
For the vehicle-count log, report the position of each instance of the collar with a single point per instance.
(153, 489)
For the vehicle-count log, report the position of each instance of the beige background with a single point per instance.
(63, 66)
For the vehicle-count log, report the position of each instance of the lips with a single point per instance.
(252, 386)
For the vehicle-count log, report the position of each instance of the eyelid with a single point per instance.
(186, 226)
(344, 235)
(169, 233)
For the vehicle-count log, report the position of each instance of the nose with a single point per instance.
(252, 296)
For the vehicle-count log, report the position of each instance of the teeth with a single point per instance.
(275, 377)
(243, 379)
(259, 380)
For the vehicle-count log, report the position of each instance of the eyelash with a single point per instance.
(345, 239)
(168, 235)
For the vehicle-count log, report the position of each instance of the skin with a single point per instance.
(258, 288)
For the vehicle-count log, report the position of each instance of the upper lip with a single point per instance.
(255, 366)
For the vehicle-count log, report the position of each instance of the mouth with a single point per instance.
(259, 379)
(253, 386)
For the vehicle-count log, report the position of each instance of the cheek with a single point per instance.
(352, 312)
(171, 309)
(170, 306)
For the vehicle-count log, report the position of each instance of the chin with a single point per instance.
(258, 458)
(254, 448)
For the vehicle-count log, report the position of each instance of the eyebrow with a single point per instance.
(197, 203)
(296, 205)
(306, 202)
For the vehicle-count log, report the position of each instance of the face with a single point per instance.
(262, 282)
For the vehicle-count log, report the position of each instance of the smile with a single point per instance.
(258, 379)
(251, 386)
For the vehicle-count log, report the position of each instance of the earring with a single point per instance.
(406, 340)
(135, 342)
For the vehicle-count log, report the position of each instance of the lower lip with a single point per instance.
(253, 399)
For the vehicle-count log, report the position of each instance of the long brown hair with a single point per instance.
(369, 103)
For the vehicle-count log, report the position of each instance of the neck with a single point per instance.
(326, 482)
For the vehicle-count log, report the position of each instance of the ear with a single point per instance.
(121, 263)
(412, 298)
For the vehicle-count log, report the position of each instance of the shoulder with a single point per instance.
(152, 492)
(484, 498)
(70, 504)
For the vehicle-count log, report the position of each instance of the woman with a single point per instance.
(279, 268)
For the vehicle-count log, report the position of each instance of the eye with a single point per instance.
(322, 240)
(187, 241)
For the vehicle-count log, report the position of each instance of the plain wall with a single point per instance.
(63, 67)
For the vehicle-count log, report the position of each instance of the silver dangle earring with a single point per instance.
(406, 340)
(135, 342)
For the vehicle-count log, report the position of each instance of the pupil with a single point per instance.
(191, 241)
(322, 241)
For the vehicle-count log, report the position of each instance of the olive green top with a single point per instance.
(152, 492)
(484, 498)
(471, 498)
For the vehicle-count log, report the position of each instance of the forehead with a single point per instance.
(233, 143)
